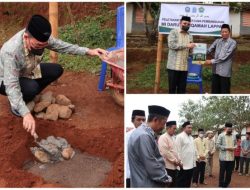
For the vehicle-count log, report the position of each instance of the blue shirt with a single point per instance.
(245, 145)
(147, 167)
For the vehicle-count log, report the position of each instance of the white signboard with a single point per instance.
(206, 20)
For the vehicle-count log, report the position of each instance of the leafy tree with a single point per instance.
(150, 29)
(211, 112)
(239, 6)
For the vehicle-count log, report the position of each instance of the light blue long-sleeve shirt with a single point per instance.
(223, 56)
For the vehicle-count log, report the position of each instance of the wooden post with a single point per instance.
(53, 18)
(158, 63)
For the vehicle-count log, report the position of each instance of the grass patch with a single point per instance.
(243, 47)
(240, 78)
(145, 79)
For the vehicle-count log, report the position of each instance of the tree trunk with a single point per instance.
(53, 18)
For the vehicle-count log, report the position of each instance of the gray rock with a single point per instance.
(53, 147)
(63, 143)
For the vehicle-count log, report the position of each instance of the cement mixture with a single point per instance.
(83, 170)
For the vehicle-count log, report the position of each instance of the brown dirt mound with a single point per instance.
(95, 128)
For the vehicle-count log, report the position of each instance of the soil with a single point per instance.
(83, 170)
(236, 181)
(95, 128)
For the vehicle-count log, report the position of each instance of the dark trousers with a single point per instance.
(184, 178)
(199, 172)
(242, 161)
(226, 169)
(221, 85)
(31, 87)
(128, 183)
(177, 81)
(173, 174)
(236, 163)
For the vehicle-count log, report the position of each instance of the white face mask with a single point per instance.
(201, 135)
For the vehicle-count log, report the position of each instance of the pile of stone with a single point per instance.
(50, 107)
(52, 149)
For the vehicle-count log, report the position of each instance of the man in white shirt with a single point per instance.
(187, 154)
(168, 150)
(138, 117)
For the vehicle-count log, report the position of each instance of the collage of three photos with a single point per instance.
(124, 94)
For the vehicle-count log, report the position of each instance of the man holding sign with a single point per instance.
(223, 50)
(180, 43)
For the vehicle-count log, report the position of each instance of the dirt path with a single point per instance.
(96, 128)
(236, 181)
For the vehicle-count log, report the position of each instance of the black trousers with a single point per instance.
(226, 170)
(246, 161)
(177, 81)
(236, 163)
(128, 183)
(173, 174)
(31, 87)
(199, 172)
(221, 85)
(184, 178)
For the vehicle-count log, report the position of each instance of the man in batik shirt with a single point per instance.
(22, 75)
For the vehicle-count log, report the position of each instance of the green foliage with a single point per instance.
(216, 110)
(240, 77)
(146, 78)
(91, 32)
(239, 6)
(154, 10)
(207, 73)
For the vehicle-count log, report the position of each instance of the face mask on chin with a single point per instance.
(37, 51)
(185, 28)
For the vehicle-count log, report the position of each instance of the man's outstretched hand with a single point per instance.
(29, 124)
(208, 62)
(98, 52)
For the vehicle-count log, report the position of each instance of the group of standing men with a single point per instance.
(174, 161)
